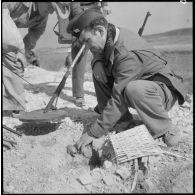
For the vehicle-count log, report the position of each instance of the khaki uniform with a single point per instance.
(138, 77)
(25, 15)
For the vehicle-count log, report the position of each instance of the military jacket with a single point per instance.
(131, 58)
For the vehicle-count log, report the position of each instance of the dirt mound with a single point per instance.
(39, 163)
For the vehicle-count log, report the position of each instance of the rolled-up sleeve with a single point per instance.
(127, 67)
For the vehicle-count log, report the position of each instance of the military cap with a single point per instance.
(79, 22)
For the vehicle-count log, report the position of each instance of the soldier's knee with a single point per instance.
(134, 89)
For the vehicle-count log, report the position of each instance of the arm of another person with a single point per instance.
(127, 68)
(34, 33)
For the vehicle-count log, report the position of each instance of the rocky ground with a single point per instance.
(39, 162)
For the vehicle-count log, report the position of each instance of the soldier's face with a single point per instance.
(45, 8)
(94, 39)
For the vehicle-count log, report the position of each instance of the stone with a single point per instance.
(149, 184)
(88, 187)
(87, 152)
(71, 150)
(97, 144)
(107, 164)
(153, 160)
(85, 178)
(97, 174)
(123, 173)
(108, 180)
(9, 189)
(184, 182)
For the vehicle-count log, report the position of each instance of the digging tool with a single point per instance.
(11, 130)
(62, 83)
(19, 76)
(9, 57)
(140, 32)
(51, 113)
(9, 141)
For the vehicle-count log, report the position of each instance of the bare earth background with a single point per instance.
(39, 163)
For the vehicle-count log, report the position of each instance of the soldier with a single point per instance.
(131, 73)
(31, 15)
(80, 68)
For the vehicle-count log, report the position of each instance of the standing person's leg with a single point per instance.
(78, 73)
(13, 93)
(153, 101)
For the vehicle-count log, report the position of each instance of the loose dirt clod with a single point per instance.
(123, 173)
(87, 152)
(71, 150)
(107, 164)
(86, 178)
(108, 180)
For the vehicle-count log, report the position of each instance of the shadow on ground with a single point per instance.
(49, 90)
(83, 116)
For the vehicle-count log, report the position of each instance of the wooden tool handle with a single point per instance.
(63, 81)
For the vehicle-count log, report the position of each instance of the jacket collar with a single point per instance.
(112, 38)
(115, 40)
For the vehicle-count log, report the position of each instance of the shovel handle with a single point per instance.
(63, 81)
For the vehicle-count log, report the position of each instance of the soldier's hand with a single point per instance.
(84, 141)
(99, 73)
(32, 58)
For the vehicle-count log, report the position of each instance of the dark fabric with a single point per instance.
(111, 33)
(103, 94)
(160, 78)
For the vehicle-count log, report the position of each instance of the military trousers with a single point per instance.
(152, 101)
(13, 89)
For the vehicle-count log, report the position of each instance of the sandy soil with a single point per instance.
(39, 163)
